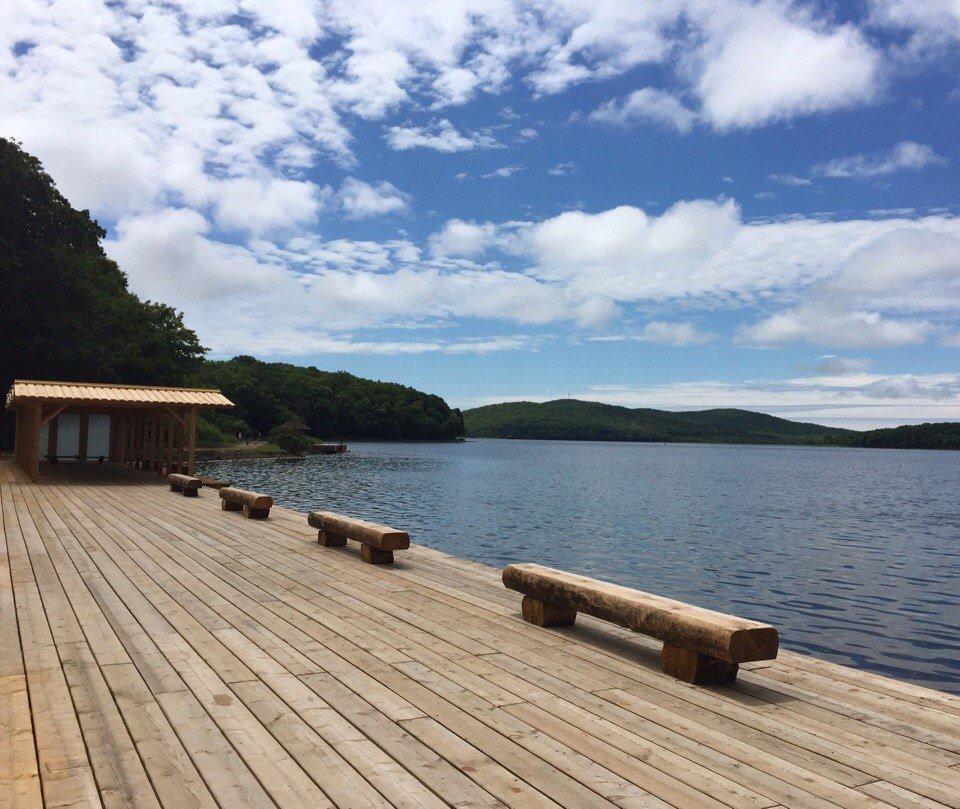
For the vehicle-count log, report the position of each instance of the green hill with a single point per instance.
(594, 421)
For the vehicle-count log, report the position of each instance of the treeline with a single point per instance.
(937, 435)
(68, 314)
(331, 404)
(570, 419)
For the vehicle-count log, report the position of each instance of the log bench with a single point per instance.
(190, 486)
(699, 646)
(377, 542)
(255, 506)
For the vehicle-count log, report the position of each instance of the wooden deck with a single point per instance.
(156, 650)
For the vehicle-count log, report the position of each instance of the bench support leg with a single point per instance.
(543, 613)
(375, 556)
(330, 540)
(174, 487)
(256, 513)
(191, 493)
(229, 505)
(696, 668)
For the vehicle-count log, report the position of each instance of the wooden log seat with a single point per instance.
(377, 542)
(190, 486)
(255, 506)
(699, 646)
(213, 483)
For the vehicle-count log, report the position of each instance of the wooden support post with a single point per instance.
(696, 667)
(192, 438)
(52, 434)
(112, 443)
(83, 436)
(32, 467)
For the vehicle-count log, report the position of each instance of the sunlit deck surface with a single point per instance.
(156, 650)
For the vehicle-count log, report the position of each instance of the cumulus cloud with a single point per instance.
(360, 200)
(905, 155)
(441, 136)
(824, 325)
(771, 61)
(646, 105)
(460, 238)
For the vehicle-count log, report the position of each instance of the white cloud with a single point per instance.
(503, 171)
(168, 257)
(360, 200)
(790, 180)
(528, 133)
(771, 61)
(441, 136)
(564, 168)
(835, 327)
(646, 105)
(460, 238)
(488, 345)
(673, 334)
(930, 24)
(905, 155)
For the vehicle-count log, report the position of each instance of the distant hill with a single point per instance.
(572, 419)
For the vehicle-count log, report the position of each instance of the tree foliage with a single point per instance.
(332, 404)
(594, 421)
(67, 311)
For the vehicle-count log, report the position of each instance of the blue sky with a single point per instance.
(686, 203)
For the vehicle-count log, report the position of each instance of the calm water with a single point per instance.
(853, 554)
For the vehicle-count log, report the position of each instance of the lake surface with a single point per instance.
(853, 554)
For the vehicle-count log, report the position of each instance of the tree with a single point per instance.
(68, 313)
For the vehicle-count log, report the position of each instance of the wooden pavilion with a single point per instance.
(151, 427)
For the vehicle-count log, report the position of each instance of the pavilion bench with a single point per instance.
(254, 506)
(699, 646)
(377, 542)
(190, 486)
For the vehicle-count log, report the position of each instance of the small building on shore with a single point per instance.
(147, 427)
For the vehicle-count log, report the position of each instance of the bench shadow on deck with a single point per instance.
(155, 650)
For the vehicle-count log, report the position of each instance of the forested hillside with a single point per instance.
(68, 314)
(332, 404)
(594, 421)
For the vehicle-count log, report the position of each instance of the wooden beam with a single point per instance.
(177, 416)
(56, 411)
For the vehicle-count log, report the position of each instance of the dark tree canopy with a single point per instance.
(331, 404)
(67, 311)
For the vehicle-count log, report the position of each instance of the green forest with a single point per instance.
(571, 419)
(68, 314)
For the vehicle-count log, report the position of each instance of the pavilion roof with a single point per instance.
(109, 394)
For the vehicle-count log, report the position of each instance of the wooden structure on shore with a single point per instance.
(157, 651)
(151, 427)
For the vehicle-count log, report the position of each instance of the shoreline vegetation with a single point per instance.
(576, 420)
